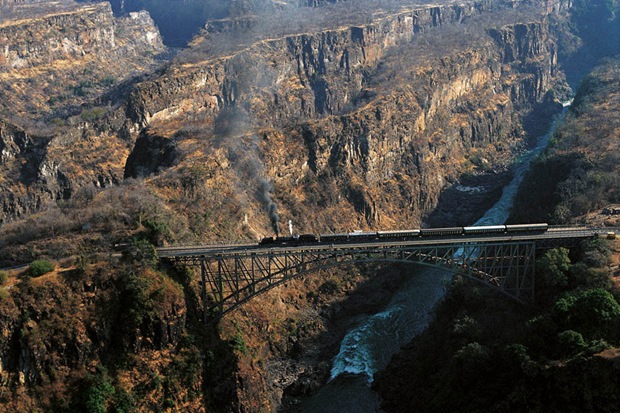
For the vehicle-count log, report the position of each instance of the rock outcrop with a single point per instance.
(53, 61)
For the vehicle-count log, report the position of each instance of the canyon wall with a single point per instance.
(369, 111)
(53, 65)
(369, 121)
(53, 61)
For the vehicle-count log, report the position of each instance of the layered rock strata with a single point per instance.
(53, 67)
(370, 121)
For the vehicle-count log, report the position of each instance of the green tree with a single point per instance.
(238, 343)
(594, 312)
(595, 253)
(136, 308)
(571, 342)
(158, 230)
(40, 267)
(588, 277)
(517, 361)
(97, 397)
(82, 262)
(97, 392)
(141, 253)
(472, 360)
(554, 266)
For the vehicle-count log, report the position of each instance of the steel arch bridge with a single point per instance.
(231, 278)
(233, 274)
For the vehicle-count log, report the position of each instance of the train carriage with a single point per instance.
(484, 229)
(334, 238)
(433, 232)
(527, 228)
(403, 234)
(362, 236)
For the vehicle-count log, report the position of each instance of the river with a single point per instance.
(368, 347)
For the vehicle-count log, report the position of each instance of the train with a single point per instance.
(401, 235)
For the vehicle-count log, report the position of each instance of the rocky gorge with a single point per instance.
(355, 124)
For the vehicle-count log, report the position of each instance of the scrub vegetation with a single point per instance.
(580, 170)
(483, 353)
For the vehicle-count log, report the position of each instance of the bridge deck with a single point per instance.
(253, 248)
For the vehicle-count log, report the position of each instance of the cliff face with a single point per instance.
(52, 65)
(339, 99)
(353, 116)
(53, 61)
(295, 76)
(578, 175)
(55, 326)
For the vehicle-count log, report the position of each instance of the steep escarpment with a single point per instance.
(347, 125)
(292, 76)
(363, 114)
(37, 172)
(560, 354)
(283, 89)
(424, 126)
(22, 154)
(61, 333)
(55, 63)
(578, 173)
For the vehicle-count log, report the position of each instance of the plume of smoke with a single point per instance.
(263, 193)
(243, 154)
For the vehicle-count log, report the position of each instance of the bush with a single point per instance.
(238, 343)
(141, 252)
(571, 342)
(3, 277)
(594, 311)
(40, 267)
(92, 114)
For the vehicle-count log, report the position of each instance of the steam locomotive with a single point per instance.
(400, 235)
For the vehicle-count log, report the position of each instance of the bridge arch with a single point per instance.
(229, 280)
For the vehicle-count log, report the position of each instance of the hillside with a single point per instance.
(578, 173)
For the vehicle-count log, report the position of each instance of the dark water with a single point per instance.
(347, 393)
(368, 347)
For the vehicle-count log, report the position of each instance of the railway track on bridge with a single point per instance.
(553, 233)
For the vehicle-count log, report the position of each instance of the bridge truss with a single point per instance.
(231, 278)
